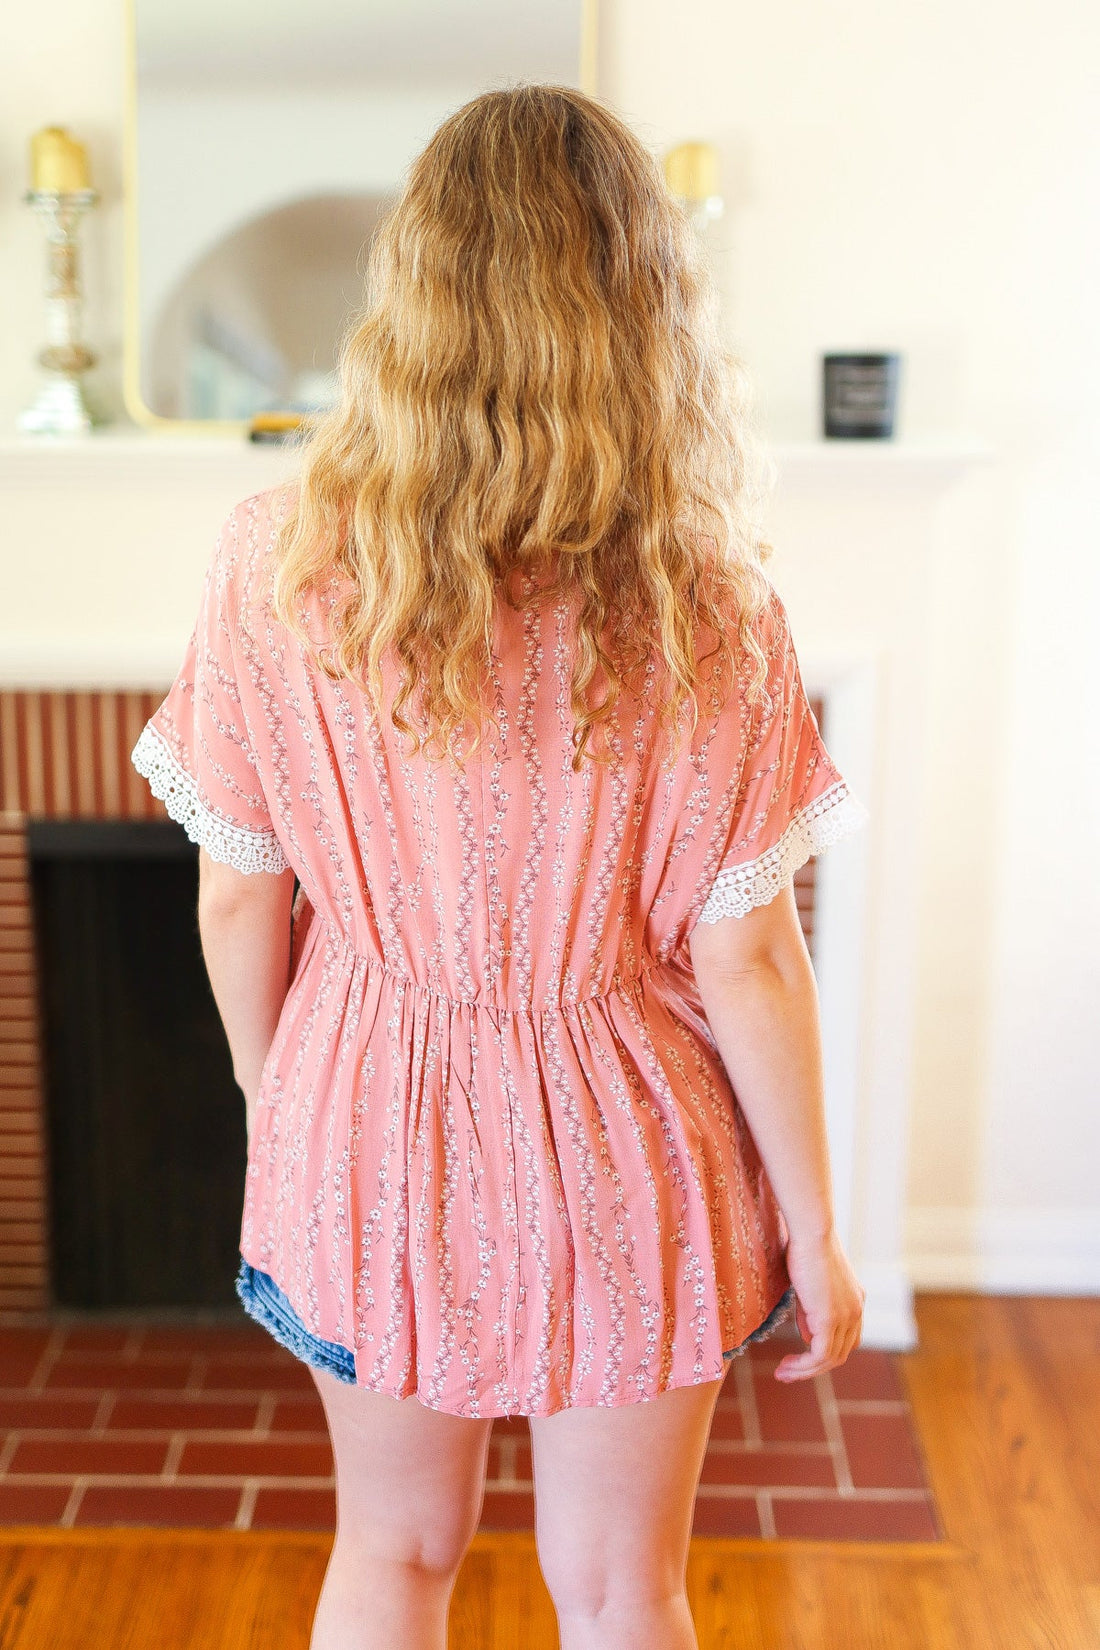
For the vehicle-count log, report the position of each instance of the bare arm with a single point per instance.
(760, 997)
(244, 926)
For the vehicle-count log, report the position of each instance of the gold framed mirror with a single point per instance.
(263, 139)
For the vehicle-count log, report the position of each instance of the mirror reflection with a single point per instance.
(268, 140)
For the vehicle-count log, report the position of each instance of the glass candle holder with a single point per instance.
(60, 407)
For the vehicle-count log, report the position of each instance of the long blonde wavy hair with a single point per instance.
(535, 392)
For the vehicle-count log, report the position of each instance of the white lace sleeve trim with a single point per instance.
(237, 845)
(834, 814)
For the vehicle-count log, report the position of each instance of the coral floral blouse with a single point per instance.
(495, 1153)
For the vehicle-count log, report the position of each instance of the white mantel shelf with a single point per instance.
(120, 452)
(122, 523)
(874, 464)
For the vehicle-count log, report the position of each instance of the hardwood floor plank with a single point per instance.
(1005, 1392)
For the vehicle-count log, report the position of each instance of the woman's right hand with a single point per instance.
(828, 1306)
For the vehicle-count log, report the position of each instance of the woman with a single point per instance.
(501, 684)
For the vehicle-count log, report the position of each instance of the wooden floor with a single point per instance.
(1006, 1392)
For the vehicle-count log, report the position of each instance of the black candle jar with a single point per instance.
(860, 394)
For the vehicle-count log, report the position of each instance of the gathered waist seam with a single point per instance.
(620, 983)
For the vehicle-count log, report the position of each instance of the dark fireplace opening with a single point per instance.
(146, 1142)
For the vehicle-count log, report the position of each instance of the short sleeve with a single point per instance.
(791, 801)
(195, 751)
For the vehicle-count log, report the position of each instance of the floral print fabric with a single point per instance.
(496, 1155)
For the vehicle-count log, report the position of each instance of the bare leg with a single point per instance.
(409, 1489)
(614, 1495)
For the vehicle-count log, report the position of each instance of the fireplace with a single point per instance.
(145, 1133)
(85, 1185)
(121, 1185)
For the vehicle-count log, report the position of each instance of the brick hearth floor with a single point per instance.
(218, 1426)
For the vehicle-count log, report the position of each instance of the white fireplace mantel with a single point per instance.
(103, 540)
(122, 451)
(103, 546)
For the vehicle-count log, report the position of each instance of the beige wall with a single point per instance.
(918, 177)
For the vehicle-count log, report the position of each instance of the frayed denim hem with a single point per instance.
(264, 1301)
(771, 1323)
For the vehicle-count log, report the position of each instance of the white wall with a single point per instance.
(926, 177)
(919, 177)
(60, 67)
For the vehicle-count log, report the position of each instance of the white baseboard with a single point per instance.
(888, 1320)
(1005, 1251)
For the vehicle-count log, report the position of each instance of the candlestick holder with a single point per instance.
(60, 407)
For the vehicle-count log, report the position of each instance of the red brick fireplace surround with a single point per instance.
(66, 755)
(62, 756)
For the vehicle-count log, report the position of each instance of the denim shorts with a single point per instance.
(771, 1323)
(263, 1300)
